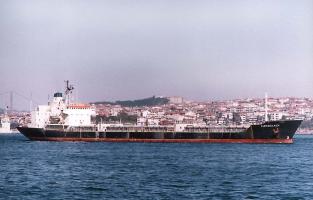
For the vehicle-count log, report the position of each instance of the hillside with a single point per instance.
(151, 101)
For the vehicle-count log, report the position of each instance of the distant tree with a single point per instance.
(152, 101)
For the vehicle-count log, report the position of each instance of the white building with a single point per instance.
(276, 116)
(5, 124)
(141, 121)
(176, 100)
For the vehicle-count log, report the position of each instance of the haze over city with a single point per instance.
(201, 50)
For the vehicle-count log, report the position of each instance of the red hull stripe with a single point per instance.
(262, 141)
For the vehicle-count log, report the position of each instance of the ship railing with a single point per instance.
(172, 129)
(215, 129)
(71, 128)
(82, 129)
(56, 127)
(140, 129)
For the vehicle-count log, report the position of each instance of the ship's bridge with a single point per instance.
(58, 94)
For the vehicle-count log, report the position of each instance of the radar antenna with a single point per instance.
(69, 88)
(68, 91)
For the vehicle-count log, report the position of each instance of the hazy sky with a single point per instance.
(202, 50)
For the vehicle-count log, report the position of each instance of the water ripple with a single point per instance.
(74, 170)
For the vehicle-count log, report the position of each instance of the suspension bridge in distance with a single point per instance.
(7, 100)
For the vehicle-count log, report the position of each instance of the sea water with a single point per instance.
(82, 170)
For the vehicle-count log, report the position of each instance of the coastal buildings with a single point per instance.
(236, 112)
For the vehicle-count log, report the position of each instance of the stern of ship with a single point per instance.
(32, 133)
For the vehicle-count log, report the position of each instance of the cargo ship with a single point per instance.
(62, 120)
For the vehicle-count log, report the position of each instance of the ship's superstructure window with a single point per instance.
(57, 94)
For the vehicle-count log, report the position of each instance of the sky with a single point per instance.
(130, 49)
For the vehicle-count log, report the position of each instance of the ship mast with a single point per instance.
(68, 91)
(266, 108)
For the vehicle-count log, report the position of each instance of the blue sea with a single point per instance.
(81, 170)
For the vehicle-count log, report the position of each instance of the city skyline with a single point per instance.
(204, 50)
(21, 105)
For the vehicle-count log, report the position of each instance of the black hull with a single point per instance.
(269, 132)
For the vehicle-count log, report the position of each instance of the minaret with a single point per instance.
(31, 103)
(11, 102)
(266, 109)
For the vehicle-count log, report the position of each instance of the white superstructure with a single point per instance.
(60, 111)
(79, 115)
